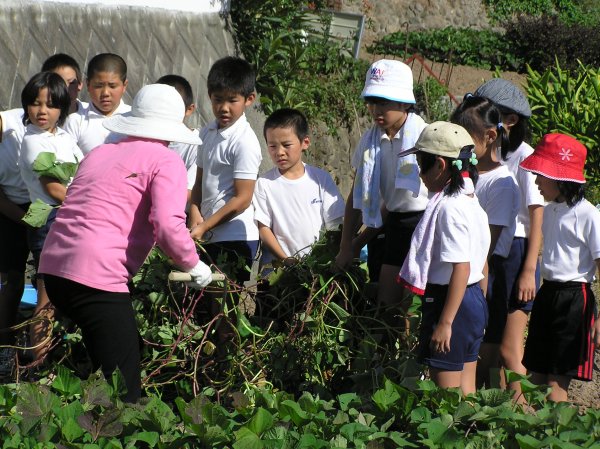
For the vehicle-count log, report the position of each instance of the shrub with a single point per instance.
(581, 12)
(568, 102)
(538, 41)
(478, 48)
(433, 101)
(296, 69)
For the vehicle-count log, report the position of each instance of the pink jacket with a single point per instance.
(124, 198)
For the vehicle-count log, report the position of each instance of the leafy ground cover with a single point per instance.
(316, 365)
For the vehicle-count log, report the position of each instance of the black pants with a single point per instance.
(108, 327)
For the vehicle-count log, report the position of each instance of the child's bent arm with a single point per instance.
(495, 231)
(440, 340)
(596, 328)
(268, 239)
(10, 209)
(351, 224)
(526, 281)
(54, 188)
(239, 202)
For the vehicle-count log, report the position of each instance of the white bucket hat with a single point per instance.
(389, 79)
(157, 112)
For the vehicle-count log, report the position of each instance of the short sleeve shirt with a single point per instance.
(225, 155)
(11, 182)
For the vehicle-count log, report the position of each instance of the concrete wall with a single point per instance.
(153, 42)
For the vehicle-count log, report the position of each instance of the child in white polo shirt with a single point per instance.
(294, 201)
(563, 330)
(221, 213)
(106, 84)
(188, 152)
(447, 257)
(387, 192)
(46, 102)
(499, 196)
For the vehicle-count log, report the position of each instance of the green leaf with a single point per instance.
(246, 439)
(261, 421)
(45, 165)
(290, 408)
(66, 382)
(37, 214)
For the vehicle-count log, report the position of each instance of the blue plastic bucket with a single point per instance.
(29, 298)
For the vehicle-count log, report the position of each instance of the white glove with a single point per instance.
(201, 274)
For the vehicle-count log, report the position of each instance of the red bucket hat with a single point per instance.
(559, 157)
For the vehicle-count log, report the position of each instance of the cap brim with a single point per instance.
(542, 166)
(399, 95)
(412, 150)
(152, 129)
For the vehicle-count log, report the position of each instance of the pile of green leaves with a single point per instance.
(568, 102)
(485, 49)
(295, 68)
(70, 413)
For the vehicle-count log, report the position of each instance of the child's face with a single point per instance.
(106, 90)
(434, 177)
(285, 148)
(42, 114)
(73, 84)
(227, 107)
(388, 115)
(548, 188)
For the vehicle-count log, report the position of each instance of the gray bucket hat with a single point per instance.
(505, 94)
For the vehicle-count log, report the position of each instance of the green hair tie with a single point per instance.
(473, 159)
(458, 164)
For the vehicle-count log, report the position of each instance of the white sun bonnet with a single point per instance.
(157, 112)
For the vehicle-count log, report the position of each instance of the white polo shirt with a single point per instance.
(530, 194)
(37, 141)
(499, 197)
(11, 181)
(571, 242)
(85, 126)
(189, 156)
(227, 154)
(297, 210)
(462, 234)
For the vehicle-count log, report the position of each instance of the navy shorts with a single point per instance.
(14, 250)
(234, 258)
(37, 236)
(398, 229)
(467, 328)
(559, 339)
(502, 295)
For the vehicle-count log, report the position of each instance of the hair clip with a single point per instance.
(473, 159)
(458, 164)
(469, 95)
(500, 125)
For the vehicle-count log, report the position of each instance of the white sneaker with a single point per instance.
(7, 362)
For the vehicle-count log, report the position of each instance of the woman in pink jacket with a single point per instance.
(125, 198)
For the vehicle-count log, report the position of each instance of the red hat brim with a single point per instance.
(550, 169)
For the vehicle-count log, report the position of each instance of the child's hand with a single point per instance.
(440, 340)
(526, 285)
(596, 334)
(197, 231)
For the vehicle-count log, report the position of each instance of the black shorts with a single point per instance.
(234, 258)
(399, 228)
(559, 340)
(14, 250)
(503, 291)
(37, 236)
(467, 328)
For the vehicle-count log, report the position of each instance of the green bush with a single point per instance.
(568, 102)
(433, 101)
(539, 41)
(585, 12)
(478, 48)
(295, 68)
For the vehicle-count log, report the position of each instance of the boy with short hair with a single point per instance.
(228, 162)
(188, 152)
(69, 70)
(294, 201)
(106, 80)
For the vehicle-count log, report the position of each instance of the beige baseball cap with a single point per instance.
(443, 139)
